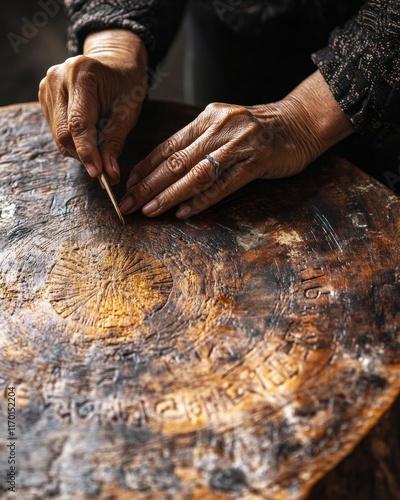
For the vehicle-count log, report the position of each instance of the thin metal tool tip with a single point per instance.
(103, 180)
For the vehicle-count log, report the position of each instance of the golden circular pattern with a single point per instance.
(107, 287)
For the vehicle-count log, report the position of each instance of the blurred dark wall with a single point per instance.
(33, 38)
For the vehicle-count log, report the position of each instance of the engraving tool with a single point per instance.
(103, 180)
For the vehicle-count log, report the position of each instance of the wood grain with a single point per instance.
(242, 353)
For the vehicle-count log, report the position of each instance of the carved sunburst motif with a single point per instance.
(108, 286)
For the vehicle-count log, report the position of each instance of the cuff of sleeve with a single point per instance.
(106, 17)
(360, 71)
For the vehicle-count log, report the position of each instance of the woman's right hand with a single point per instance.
(92, 101)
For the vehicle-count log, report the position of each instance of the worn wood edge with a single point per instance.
(392, 394)
(347, 449)
(335, 481)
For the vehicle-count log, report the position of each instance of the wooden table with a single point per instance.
(242, 353)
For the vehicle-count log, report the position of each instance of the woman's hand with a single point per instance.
(248, 142)
(92, 101)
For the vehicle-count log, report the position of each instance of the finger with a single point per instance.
(59, 126)
(199, 179)
(230, 181)
(176, 143)
(165, 178)
(54, 110)
(174, 167)
(82, 116)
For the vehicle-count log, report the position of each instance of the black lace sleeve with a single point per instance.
(361, 64)
(155, 21)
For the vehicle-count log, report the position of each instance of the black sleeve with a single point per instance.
(155, 21)
(362, 67)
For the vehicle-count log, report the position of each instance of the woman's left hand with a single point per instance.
(243, 142)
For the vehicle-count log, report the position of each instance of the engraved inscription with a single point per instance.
(313, 282)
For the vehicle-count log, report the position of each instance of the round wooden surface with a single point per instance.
(239, 354)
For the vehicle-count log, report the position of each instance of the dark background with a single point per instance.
(32, 40)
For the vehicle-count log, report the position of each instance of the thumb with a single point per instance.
(82, 117)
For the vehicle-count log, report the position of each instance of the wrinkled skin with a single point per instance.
(91, 102)
(258, 142)
(103, 90)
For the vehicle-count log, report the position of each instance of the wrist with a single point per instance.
(117, 48)
(319, 119)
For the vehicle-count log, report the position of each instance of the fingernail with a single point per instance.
(133, 179)
(115, 166)
(92, 170)
(183, 212)
(150, 207)
(126, 204)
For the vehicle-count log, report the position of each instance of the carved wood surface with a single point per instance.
(239, 354)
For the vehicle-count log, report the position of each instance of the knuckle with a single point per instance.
(77, 125)
(254, 127)
(62, 148)
(63, 142)
(176, 164)
(217, 110)
(169, 147)
(240, 110)
(146, 187)
(82, 68)
(226, 112)
(84, 152)
(70, 61)
(77, 61)
(53, 71)
(215, 107)
(63, 137)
